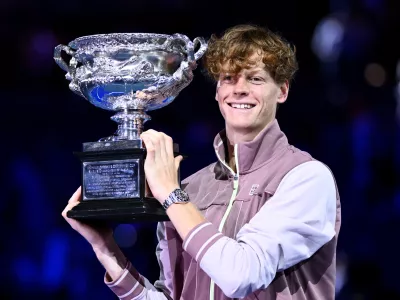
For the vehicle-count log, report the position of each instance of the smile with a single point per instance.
(241, 106)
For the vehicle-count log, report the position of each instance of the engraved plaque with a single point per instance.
(111, 179)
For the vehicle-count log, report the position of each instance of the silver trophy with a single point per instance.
(130, 74)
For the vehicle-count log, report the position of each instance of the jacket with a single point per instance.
(271, 229)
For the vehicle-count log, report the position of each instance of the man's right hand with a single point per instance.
(100, 237)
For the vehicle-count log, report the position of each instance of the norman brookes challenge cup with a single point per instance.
(130, 74)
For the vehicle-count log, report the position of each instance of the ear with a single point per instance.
(283, 92)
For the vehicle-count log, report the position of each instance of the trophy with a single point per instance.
(130, 74)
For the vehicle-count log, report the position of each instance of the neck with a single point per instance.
(231, 156)
(237, 137)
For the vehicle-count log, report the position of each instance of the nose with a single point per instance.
(241, 88)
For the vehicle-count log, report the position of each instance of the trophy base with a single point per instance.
(121, 211)
(114, 185)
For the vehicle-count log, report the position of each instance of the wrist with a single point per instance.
(167, 192)
(176, 196)
(105, 248)
(112, 259)
(110, 251)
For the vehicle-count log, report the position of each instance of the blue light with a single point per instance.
(54, 260)
(25, 270)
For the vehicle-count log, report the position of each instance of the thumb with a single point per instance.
(76, 196)
(178, 160)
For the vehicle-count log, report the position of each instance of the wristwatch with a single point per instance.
(176, 196)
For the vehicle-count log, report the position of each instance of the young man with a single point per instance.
(260, 223)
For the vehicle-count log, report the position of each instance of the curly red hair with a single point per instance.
(235, 50)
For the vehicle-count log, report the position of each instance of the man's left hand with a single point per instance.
(160, 167)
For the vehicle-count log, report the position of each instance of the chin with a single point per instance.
(242, 127)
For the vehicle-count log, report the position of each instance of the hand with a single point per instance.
(99, 236)
(160, 167)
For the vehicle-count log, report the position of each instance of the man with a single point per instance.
(260, 223)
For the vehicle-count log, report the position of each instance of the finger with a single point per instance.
(157, 140)
(163, 142)
(73, 201)
(76, 197)
(150, 148)
(151, 131)
(178, 160)
(169, 146)
(67, 209)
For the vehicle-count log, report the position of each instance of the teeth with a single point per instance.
(242, 106)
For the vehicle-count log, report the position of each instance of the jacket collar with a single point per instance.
(268, 144)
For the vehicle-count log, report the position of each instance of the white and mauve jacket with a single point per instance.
(271, 230)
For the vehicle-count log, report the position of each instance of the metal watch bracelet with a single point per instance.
(176, 196)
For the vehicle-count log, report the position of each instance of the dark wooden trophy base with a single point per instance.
(114, 186)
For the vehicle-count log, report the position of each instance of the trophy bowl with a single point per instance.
(129, 74)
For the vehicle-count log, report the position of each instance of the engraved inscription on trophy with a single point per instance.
(116, 179)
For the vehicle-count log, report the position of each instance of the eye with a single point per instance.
(227, 78)
(256, 79)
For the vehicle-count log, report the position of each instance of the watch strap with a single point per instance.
(176, 196)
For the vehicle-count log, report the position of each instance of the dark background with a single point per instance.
(343, 108)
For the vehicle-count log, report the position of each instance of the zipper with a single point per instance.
(228, 210)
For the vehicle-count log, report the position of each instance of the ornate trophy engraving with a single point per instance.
(130, 74)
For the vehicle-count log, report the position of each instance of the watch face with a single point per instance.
(180, 196)
(177, 196)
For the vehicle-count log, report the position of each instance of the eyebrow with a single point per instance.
(256, 71)
(246, 70)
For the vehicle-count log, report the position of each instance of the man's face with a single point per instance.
(248, 100)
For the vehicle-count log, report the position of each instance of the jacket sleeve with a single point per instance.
(289, 228)
(132, 285)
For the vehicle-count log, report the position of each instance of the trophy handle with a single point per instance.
(202, 49)
(192, 57)
(183, 75)
(57, 57)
